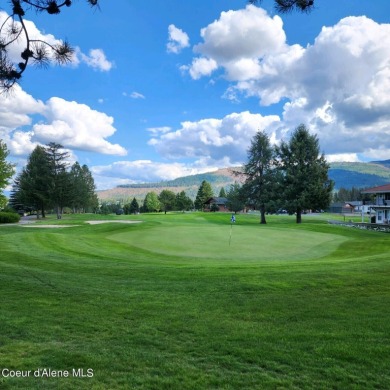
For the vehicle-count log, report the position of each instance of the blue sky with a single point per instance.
(159, 90)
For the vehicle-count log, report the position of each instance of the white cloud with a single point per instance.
(26, 122)
(338, 85)
(145, 171)
(177, 39)
(137, 95)
(77, 126)
(215, 140)
(97, 60)
(159, 130)
(349, 157)
(201, 67)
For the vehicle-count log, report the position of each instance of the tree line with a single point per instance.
(48, 182)
(165, 201)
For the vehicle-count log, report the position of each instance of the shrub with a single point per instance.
(6, 217)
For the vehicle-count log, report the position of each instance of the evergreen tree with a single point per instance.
(6, 171)
(305, 173)
(183, 202)
(82, 193)
(260, 186)
(134, 207)
(31, 189)
(222, 192)
(235, 198)
(59, 179)
(205, 192)
(286, 6)
(167, 200)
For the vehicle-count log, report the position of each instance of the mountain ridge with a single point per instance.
(344, 174)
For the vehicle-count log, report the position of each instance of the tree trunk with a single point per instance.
(299, 215)
(262, 215)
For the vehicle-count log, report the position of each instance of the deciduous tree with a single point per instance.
(6, 171)
(167, 200)
(151, 202)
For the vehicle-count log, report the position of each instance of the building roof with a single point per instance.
(216, 200)
(377, 190)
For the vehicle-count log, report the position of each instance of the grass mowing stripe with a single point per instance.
(146, 320)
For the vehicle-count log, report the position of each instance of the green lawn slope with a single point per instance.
(188, 301)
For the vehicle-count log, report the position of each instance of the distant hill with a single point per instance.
(190, 184)
(360, 175)
(344, 174)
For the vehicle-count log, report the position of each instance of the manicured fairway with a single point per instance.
(169, 304)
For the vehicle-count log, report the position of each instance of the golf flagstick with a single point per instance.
(232, 220)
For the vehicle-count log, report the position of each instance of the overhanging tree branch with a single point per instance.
(37, 52)
(286, 6)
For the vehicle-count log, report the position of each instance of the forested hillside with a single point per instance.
(344, 174)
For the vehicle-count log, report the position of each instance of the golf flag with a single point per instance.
(233, 219)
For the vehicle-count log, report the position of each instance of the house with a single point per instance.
(382, 203)
(216, 204)
(360, 207)
(341, 208)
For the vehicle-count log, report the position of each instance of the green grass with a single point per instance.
(169, 304)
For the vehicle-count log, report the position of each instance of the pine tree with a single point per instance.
(305, 184)
(286, 6)
(222, 192)
(260, 187)
(31, 189)
(14, 30)
(134, 207)
(205, 192)
(183, 202)
(59, 178)
(235, 198)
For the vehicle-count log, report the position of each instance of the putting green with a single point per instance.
(246, 243)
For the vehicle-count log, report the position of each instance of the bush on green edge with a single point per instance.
(6, 217)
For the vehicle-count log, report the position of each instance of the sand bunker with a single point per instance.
(46, 226)
(99, 222)
(37, 225)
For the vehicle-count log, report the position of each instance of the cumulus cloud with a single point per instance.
(177, 39)
(97, 60)
(77, 126)
(218, 141)
(338, 85)
(144, 171)
(26, 122)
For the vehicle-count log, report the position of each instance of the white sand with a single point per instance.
(99, 222)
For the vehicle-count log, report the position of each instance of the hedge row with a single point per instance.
(6, 217)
